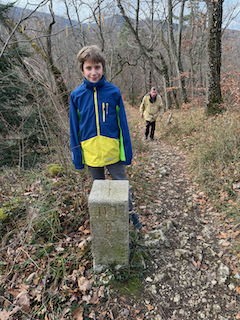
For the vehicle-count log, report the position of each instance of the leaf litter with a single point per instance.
(45, 274)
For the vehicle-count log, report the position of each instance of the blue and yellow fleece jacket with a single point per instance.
(99, 130)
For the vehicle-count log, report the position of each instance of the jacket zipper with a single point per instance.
(96, 111)
(104, 111)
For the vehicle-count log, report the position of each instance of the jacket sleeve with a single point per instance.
(77, 157)
(142, 106)
(124, 135)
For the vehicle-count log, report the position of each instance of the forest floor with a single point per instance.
(181, 262)
(187, 273)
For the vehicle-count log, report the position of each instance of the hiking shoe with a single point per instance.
(134, 218)
(152, 139)
(145, 137)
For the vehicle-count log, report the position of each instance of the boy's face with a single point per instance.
(92, 71)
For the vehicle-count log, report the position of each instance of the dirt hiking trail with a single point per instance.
(187, 276)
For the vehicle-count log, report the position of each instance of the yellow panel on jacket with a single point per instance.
(106, 151)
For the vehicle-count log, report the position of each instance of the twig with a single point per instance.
(161, 309)
(17, 25)
(14, 305)
(32, 260)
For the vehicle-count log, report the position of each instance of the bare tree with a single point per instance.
(176, 48)
(145, 52)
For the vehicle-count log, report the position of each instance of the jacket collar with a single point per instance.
(97, 85)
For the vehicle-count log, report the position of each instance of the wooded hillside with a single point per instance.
(144, 44)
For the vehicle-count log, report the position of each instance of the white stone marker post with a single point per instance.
(109, 223)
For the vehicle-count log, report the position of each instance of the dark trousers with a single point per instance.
(149, 125)
(117, 172)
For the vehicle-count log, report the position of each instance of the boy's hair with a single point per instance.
(92, 53)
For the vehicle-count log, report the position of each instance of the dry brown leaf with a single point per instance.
(123, 299)
(86, 231)
(92, 315)
(235, 271)
(86, 298)
(6, 305)
(82, 243)
(235, 234)
(14, 310)
(4, 314)
(84, 284)
(150, 307)
(136, 312)
(222, 235)
(78, 313)
(101, 292)
(22, 300)
(225, 244)
(13, 292)
(238, 315)
(237, 289)
(111, 315)
(196, 264)
(94, 299)
(81, 269)
(30, 277)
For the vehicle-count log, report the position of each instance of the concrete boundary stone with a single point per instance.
(109, 223)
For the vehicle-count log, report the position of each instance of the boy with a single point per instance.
(98, 125)
(150, 106)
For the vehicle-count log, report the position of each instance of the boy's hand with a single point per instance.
(141, 115)
(160, 116)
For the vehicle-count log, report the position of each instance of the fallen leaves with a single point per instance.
(237, 288)
(222, 235)
(22, 300)
(84, 284)
(78, 313)
(150, 307)
(236, 234)
(4, 314)
(197, 264)
(226, 244)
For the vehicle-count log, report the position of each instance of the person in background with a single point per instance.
(99, 130)
(150, 107)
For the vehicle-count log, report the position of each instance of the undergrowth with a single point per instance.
(212, 146)
(45, 250)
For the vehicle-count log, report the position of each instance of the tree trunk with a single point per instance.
(176, 49)
(214, 50)
(59, 81)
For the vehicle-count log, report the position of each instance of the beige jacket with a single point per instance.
(150, 110)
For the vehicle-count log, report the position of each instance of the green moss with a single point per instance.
(3, 215)
(128, 287)
(55, 170)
